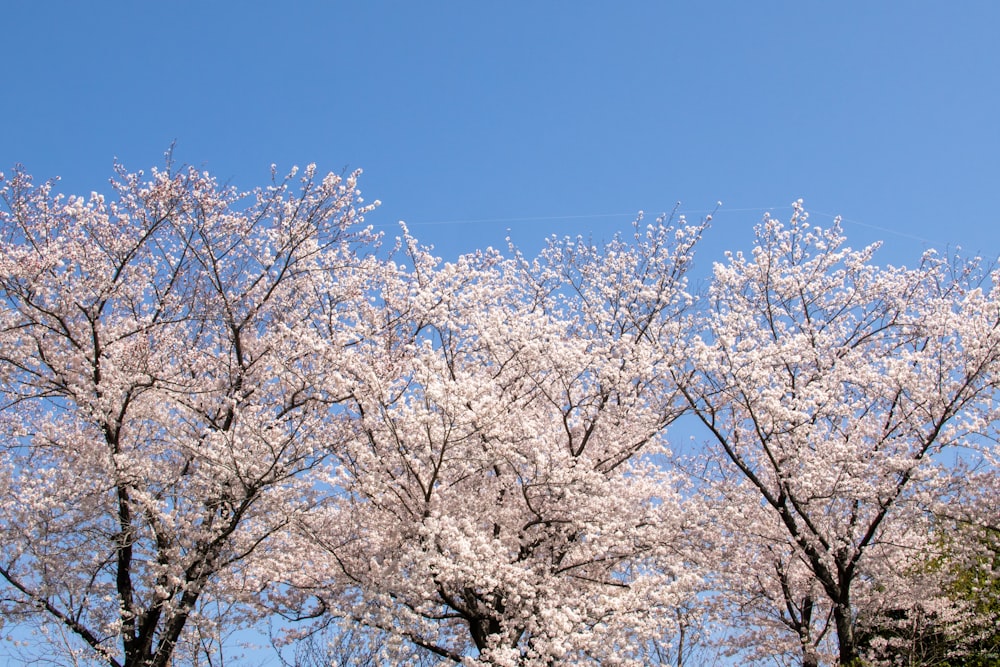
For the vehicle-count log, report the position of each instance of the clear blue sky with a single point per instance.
(573, 115)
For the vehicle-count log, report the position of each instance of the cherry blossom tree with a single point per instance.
(836, 389)
(503, 502)
(217, 403)
(161, 405)
(773, 610)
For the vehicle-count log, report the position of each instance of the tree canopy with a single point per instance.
(221, 405)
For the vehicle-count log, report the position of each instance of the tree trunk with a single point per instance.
(845, 634)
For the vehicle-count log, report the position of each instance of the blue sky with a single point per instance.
(546, 117)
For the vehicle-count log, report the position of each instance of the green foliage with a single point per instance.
(976, 584)
(958, 628)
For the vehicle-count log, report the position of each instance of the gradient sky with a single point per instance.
(470, 119)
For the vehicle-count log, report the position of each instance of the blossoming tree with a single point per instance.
(503, 503)
(215, 404)
(161, 410)
(836, 388)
